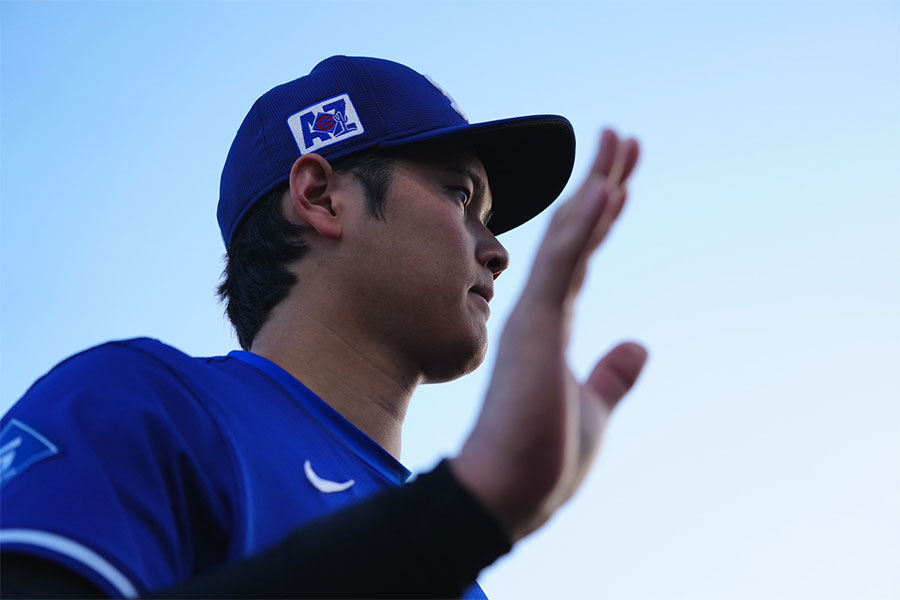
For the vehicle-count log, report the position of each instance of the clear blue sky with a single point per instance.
(759, 457)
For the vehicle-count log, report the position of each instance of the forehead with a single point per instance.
(450, 155)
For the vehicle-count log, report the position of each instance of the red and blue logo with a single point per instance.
(326, 122)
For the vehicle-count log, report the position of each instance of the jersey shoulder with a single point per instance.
(136, 366)
(136, 355)
(102, 393)
(112, 465)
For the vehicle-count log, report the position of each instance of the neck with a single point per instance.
(352, 374)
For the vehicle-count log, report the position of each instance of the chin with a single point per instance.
(455, 362)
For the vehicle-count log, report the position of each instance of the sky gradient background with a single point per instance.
(759, 259)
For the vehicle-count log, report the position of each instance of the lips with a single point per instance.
(485, 291)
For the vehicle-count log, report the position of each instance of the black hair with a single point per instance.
(256, 277)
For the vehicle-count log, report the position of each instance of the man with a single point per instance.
(359, 209)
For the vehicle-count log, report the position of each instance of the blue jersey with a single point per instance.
(139, 467)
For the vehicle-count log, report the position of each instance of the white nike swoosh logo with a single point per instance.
(323, 485)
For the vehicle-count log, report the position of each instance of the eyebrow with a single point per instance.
(479, 184)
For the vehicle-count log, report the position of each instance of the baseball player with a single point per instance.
(360, 210)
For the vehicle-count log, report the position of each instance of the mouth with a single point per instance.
(485, 291)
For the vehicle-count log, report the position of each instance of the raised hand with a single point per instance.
(540, 428)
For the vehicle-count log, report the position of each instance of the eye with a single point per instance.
(462, 194)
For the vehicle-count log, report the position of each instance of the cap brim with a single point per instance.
(528, 161)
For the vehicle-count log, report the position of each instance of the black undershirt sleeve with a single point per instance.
(27, 576)
(427, 539)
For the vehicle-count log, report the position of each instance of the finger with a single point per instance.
(567, 242)
(626, 157)
(581, 224)
(606, 156)
(617, 372)
(604, 163)
(618, 166)
(632, 154)
(616, 202)
(621, 198)
(581, 208)
(624, 161)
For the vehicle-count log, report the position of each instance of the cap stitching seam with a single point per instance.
(267, 145)
(371, 90)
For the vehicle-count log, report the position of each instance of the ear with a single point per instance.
(311, 198)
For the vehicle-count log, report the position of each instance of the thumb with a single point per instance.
(617, 372)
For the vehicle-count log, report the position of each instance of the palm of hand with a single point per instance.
(540, 428)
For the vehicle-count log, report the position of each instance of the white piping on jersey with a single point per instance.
(323, 485)
(73, 550)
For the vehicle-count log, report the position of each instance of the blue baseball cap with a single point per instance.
(350, 104)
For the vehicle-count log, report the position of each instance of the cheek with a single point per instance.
(438, 249)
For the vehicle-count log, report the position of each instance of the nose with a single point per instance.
(491, 253)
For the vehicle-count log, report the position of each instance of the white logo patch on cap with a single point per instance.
(328, 122)
(453, 103)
